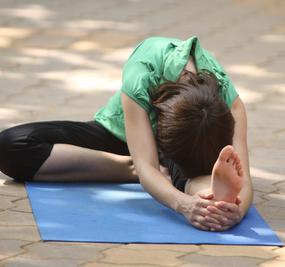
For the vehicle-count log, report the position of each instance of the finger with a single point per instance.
(198, 221)
(207, 196)
(220, 219)
(226, 218)
(212, 220)
(200, 226)
(219, 230)
(201, 211)
(227, 227)
(205, 203)
(234, 214)
(216, 210)
(227, 206)
(203, 216)
(202, 221)
(219, 215)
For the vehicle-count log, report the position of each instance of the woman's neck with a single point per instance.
(190, 66)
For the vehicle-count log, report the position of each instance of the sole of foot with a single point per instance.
(227, 176)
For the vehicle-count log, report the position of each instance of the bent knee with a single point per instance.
(12, 144)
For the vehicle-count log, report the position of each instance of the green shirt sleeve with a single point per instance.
(136, 82)
(227, 89)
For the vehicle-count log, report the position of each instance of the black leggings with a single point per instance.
(24, 148)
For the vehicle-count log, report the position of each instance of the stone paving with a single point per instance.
(63, 60)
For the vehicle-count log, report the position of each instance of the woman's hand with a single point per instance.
(223, 213)
(195, 210)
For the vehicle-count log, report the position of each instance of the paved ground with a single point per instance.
(63, 59)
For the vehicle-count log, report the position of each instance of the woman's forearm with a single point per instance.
(246, 194)
(240, 145)
(142, 147)
(160, 188)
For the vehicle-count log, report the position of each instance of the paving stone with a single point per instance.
(280, 187)
(273, 263)
(7, 202)
(258, 197)
(82, 81)
(99, 264)
(237, 251)
(275, 200)
(272, 169)
(54, 59)
(9, 187)
(15, 32)
(118, 56)
(51, 41)
(123, 255)
(262, 185)
(64, 115)
(262, 113)
(25, 233)
(14, 83)
(102, 98)
(176, 247)
(10, 248)
(21, 261)
(76, 251)
(34, 101)
(281, 253)
(268, 137)
(274, 216)
(196, 260)
(22, 205)
(108, 40)
(11, 218)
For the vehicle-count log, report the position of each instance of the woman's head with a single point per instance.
(194, 123)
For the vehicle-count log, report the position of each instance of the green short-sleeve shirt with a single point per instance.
(153, 62)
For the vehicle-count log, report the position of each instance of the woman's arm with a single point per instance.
(142, 147)
(240, 145)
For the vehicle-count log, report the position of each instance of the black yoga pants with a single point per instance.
(24, 148)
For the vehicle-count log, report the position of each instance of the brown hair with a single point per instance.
(194, 123)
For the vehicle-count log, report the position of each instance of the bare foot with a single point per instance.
(226, 180)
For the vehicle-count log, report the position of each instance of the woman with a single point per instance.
(146, 124)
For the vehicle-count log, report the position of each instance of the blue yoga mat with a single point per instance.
(125, 213)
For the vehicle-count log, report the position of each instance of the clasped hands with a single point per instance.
(203, 212)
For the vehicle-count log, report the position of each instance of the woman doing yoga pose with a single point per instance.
(177, 126)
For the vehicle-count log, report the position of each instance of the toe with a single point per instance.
(226, 153)
(237, 160)
(240, 172)
(234, 159)
(239, 169)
